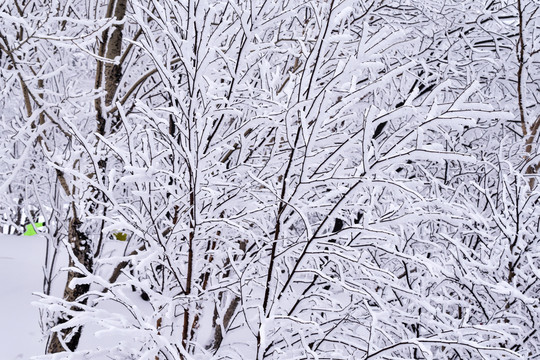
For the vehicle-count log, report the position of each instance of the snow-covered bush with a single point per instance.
(323, 179)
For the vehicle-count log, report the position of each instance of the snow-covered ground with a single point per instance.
(21, 261)
(21, 274)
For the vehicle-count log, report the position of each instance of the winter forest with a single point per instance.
(277, 179)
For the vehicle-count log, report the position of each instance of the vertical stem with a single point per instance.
(99, 69)
(83, 252)
(528, 133)
(277, 229)
(520, 56)
(189, 275)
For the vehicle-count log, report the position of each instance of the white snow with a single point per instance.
(21, 261)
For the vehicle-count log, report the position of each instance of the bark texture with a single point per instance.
(68, 339)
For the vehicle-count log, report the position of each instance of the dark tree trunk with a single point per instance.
(83, 252)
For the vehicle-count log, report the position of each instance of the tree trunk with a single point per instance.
(83, 252)
(80, 243)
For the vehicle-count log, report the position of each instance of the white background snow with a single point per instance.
(21, 274)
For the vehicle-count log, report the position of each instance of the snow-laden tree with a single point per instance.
(323, 179)
(502, 192)
(45, 78)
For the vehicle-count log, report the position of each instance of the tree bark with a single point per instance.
(83, 252)
(80, 243)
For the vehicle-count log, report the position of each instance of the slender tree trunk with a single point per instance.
(83, 252)
(80, 242)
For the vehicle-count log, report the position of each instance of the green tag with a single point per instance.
(30, 230)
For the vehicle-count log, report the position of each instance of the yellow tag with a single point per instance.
(120, 236)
